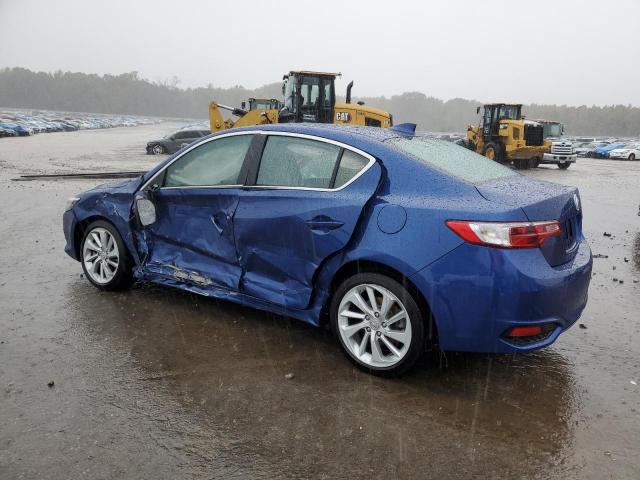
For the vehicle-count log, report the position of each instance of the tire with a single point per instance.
(564, 166)
(158, 150)
(407, 329)
(110, 268)
(632, 157)
(521, 164)
(534, 162)
(492, 151)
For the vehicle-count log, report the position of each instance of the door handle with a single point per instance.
(324, 224)
(216, 222)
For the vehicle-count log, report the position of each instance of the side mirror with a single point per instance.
(243, 105)
(146, 211)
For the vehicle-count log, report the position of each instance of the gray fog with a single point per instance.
(569, 52)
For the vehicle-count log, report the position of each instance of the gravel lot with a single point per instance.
(157, 383)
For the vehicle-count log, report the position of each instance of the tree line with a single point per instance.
(128, 93)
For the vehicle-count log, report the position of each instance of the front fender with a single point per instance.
(114, 208)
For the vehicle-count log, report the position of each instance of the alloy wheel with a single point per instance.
(374, 325)
(157, 149)
(100, 255)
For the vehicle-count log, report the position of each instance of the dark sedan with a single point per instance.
(174, 142)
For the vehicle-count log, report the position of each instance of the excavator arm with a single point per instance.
(245, 119)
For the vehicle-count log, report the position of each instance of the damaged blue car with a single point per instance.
(398, 241)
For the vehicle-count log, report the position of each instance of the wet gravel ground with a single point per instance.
(156, 383)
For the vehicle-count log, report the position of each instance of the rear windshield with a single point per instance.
(453, 159)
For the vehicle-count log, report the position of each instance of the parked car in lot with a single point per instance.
(19, 129)
(396, 239)
(174, 141)
(582, 149)
(603, 151)
(629, 152)
(7, 132)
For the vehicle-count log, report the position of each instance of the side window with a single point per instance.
(297, 162)
(372, 122)
(180, 135)
(217, 162)
(351, 164)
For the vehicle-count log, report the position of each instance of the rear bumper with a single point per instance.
(477, 294)
(554, 158)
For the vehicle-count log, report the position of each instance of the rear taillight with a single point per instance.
(505, 235)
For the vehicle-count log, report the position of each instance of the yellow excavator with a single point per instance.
(505, 136)
(308, 97)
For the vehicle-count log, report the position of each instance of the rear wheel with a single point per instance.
(632, 157)
(534, 162)
(563, 166)
(378, 324)
(104, 257)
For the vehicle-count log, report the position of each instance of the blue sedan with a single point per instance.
(395, 239)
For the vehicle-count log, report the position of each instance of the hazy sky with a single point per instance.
(562, 51)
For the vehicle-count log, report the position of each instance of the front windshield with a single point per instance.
(552, 130)
(510, 112)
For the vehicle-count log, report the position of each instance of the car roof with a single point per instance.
(339, 133)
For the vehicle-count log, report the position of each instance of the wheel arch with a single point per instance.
(370, 266)
(81, 228)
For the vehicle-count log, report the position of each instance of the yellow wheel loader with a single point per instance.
(308, 97)
(505, 136)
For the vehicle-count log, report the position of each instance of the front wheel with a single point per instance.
(157, 149)
(492, 151)
(632, 157)
(104, 257)
(378, 324)
(563, 166)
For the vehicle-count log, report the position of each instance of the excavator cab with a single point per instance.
(495, 112)
(308, 97)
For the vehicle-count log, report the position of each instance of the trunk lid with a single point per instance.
(541, 201)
